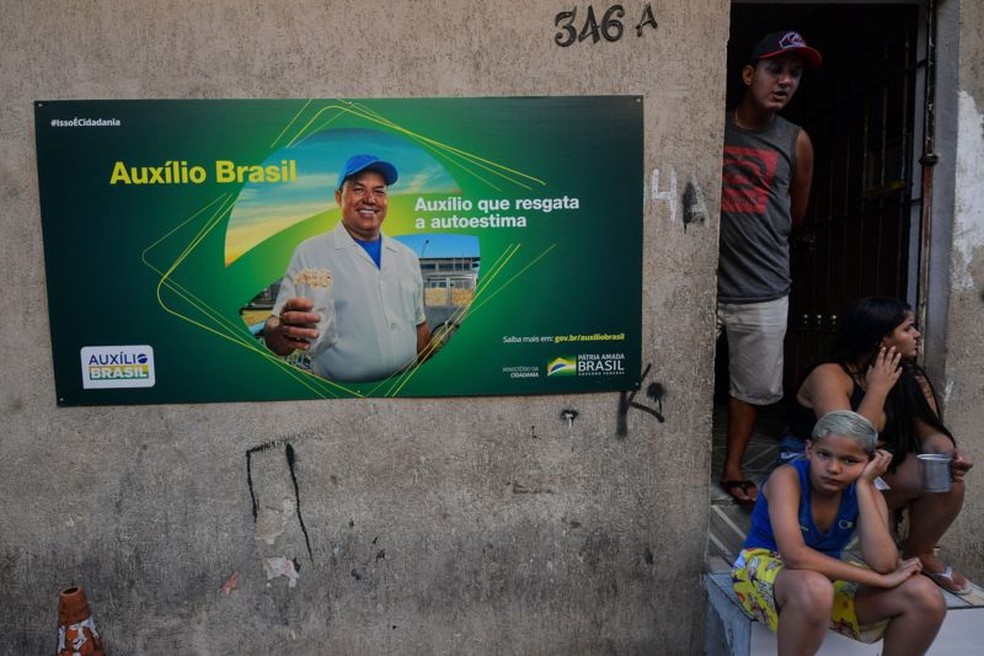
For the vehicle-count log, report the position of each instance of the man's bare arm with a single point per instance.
(799, 188)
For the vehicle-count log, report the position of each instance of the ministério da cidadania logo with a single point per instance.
(117, 366)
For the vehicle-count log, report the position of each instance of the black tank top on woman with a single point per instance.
(802, 419)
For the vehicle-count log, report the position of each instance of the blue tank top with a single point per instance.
(831, 543)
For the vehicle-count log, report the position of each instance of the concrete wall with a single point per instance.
(471, 526)
(963, 102)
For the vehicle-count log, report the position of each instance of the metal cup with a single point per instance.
(936, 471)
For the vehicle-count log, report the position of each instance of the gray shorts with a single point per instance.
(755, 334)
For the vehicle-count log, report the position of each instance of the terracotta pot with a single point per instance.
(77, 635)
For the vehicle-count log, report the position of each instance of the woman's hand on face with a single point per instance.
(885, 371)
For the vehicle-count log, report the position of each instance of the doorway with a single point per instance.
(860, 236)
(863, 111)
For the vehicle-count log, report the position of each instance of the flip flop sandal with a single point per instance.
(945, 580)
(730, 486)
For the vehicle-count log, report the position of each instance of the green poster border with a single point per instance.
(124, 265)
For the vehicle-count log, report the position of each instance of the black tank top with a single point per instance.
(802, 419)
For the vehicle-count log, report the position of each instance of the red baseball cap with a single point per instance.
(785, 43)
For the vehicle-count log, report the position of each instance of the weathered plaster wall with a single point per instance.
(472, 526)
(964, 379)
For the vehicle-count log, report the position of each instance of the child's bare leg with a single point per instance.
(915, 610)
(804, 599)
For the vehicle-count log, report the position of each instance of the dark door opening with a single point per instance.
(861, 113)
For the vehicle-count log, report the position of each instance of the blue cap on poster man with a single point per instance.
(366, 162)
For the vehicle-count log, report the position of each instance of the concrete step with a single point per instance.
(731, 632)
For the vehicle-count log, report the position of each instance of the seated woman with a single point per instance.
(873, 371)
(790, 573)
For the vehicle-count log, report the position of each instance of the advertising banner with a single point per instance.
(509, 262)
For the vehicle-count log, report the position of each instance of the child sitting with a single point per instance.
(789, 573)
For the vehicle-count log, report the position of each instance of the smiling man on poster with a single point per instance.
(353, 297)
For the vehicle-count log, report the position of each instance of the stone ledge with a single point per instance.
(730, 632)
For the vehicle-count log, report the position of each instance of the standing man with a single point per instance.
(768, 168)
(353, 297)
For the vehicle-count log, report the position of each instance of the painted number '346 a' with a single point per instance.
(611, 27)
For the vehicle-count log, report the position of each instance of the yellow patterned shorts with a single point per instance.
(754, 584)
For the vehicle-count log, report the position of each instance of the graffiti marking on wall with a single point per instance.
(626, 400)
(670, 195)
(694, 205)
(295, 506)
(611, 28)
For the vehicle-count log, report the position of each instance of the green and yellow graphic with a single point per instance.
(173, 222)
